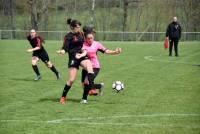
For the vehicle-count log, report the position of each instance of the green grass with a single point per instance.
(161, 95)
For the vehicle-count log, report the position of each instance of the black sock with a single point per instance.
(91, 80)
(97, 86)
(54, 70)
(85, 92)
(66, 90)
(91, 77)
(36, 70)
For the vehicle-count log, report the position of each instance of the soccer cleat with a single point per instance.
(93, 92)
(83, 101)
(101, 89)
(37, 77)
(62, 100)
(58, 76)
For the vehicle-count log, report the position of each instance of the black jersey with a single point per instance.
(73, 43)
(174, 30)
(36, 42)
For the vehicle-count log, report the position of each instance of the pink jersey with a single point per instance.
(92, 52)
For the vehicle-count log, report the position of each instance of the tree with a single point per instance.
(8, 10)
(34, 15)
(190, 10)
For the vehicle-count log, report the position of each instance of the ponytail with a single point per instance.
(41, 39)
(73, 23)
(69, 20)
(88, 30)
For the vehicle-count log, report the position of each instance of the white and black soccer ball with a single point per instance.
(117, 86)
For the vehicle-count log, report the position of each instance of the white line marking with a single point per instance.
(122, 116)
(94, 124)
(74, 120)
(150, 58)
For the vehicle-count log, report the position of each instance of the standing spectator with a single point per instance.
(173, 34)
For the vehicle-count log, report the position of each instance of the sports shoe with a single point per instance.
(58, 76)
(101, 89)
(37, 77)
(83, 101)
(62, 100)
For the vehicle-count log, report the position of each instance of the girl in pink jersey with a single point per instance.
(92, 47)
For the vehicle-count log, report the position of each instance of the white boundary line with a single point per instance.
(85, 120)
(150, 58)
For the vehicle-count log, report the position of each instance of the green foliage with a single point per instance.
(142, 15)
(161, 96)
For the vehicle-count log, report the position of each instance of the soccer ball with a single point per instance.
(117, 86)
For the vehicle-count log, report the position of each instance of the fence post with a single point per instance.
(0, 34)
(136, 36)
(153, 38)
(11, 35)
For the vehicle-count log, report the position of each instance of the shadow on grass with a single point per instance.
(58, 99)
(30, 79)
(22, 79)
(198, 65)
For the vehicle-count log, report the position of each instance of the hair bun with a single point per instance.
(88, 29)
(69, 20)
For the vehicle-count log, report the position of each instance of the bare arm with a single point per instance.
(113, 52)
(79, 55)
(64, 48)
(62, 51)
(35, 48)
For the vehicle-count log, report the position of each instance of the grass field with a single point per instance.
(161, 95)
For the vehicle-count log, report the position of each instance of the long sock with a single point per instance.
(97, 86)
(36, 70)
(91, 80)
(66, 90)
(85, 92)
(53, 69)
(91, 77)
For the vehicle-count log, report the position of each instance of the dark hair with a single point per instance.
(41, 39)
(88, 30)
(73, 23)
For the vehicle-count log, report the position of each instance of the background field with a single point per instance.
(162, 94)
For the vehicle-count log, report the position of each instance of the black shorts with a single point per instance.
(43, 55)
(84, 74)
(73, 62)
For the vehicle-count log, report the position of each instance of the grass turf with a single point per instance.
(161, 95)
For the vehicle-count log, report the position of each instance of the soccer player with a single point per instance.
(39, 53)
(92, 47)
(173, 34)
(73, 43)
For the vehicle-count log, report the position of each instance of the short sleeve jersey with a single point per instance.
(73, 43)
(92, 50)
(35, 42)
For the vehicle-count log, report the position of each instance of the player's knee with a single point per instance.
(33, 62)
(89, 70)
(49, 64)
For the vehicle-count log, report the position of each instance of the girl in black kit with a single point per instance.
(73, 43)
(39, 53)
